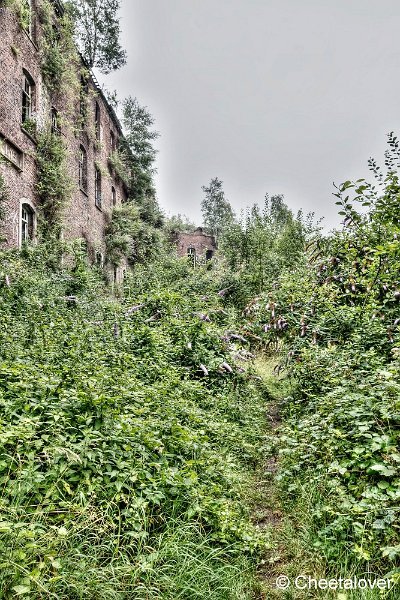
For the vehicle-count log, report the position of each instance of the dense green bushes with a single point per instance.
(339, 320)
(115, 448)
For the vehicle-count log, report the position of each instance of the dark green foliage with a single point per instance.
(113, 443)
(128, 236)
(139, 152)
(177, 223)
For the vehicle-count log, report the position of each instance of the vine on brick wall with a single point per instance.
(118, 163)
(59, 57)
(21, 9)
(4, 195)
(54, 186)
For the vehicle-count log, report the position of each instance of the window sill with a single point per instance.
(98, 208)
(29, 135)
(84, 192)
(30, 39)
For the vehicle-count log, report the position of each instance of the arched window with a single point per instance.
(83, 169)
(27, 223)
(28, 97)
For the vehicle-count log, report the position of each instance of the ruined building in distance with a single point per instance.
(74, 108)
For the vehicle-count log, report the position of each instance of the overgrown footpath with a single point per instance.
(337, 321)
(128, 434)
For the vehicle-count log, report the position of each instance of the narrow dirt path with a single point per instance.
(285, 553)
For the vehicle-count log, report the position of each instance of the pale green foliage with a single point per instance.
(54, 185)
(216, 209)
(59, 56)
(264, 244)
(98, 33)
(179, 223)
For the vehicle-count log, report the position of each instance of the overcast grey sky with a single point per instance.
(278, 96)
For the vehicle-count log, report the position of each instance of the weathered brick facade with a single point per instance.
(82, 218)
(196, 244)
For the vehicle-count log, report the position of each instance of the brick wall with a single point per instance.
(82, 218)
(200, 241)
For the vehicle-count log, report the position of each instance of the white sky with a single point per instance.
(278, 96)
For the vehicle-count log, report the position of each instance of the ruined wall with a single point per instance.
(20, 53)
(200, 241)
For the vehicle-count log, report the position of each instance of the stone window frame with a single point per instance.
(27, 222)
(83, 170)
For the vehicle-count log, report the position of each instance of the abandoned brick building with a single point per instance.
(86, 122)
(197, 245)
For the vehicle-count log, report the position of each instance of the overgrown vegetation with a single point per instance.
(338, 317)
(126, 435)
(59, 57)
(54, 185)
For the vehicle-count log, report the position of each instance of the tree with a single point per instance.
(216, 209)
(265, 243)
(139, 155)
(98, 33)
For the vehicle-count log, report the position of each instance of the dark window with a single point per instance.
(97, 188)
(99, 260)
(113, 196)
(191, 252)
(97, 121)
(27, 224)
(28, 90)
(83, 93)
(83, 178)
(55, 125)
(112, 141)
